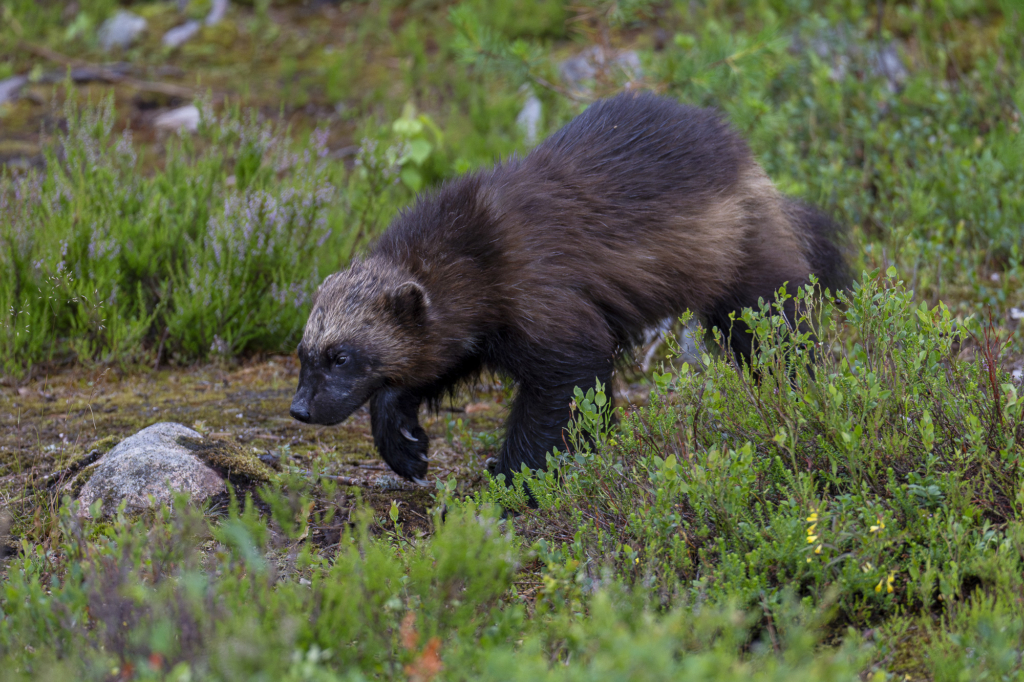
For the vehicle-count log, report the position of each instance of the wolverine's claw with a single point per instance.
(409, 436)
(421, 481)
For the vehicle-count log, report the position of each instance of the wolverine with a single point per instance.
(543, 268)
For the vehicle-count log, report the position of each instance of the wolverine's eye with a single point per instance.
(340, 360)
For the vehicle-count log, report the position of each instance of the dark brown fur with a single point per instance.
(543, 267)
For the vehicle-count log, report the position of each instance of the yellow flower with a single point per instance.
(811, 539)
(813, 518)
(817, 550)
(810, 530)
(866, 567)
(887, 583)
(879, 528)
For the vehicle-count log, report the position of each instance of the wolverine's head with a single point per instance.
(362, 334)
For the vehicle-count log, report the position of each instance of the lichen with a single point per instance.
(75, 485)
(227, 457)
(105, 444)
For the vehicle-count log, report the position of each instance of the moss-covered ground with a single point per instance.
(48, 425)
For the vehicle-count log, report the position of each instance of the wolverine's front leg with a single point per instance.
(397, 433)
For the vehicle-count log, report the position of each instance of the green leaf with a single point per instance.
(412, 178)
(419, 151)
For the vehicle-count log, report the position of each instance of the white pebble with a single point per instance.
(186, 118)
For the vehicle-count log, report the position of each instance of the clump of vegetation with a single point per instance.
(219, 251)
(227, 457)
(139, 601)
(886, 484)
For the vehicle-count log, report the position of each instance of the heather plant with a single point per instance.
(218, 252)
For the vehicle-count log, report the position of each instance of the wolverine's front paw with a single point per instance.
(401, 440)
(414, 450)
(405, 451)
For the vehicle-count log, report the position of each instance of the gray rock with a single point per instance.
(654, 338)
(217, 12)
(577, 71)
(848, 53)
(177, 36)
(121, 30)
(107, 73)
(528, 119)
(888, 64)
(629, 62)
(182, 118)
(688, 343)
(150, 463)
(10, 87)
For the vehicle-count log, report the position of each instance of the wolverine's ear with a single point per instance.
(319, 289)
(410, 302)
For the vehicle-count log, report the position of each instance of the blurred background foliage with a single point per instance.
(900, 118)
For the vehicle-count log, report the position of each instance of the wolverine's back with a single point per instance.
(646, 208)
(642, 148)
(638, 209)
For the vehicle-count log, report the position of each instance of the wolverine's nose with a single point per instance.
(300, 412)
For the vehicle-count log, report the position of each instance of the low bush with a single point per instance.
(215, 254)
(886, 482)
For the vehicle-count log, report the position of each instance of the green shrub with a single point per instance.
(137, 598)
(217, 252)
(884, 481)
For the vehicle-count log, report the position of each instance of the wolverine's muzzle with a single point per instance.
(300, 409)
(327, 400)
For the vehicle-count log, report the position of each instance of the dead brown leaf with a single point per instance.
(410, 638)
(427, 665)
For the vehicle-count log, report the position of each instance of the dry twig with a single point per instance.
(109, 75)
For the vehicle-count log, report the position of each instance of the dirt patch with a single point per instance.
(48, 425)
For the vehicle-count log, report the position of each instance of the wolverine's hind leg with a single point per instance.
(737, 334)
(540, 411)
(397, 433)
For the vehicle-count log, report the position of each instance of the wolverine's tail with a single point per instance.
(825, 244)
